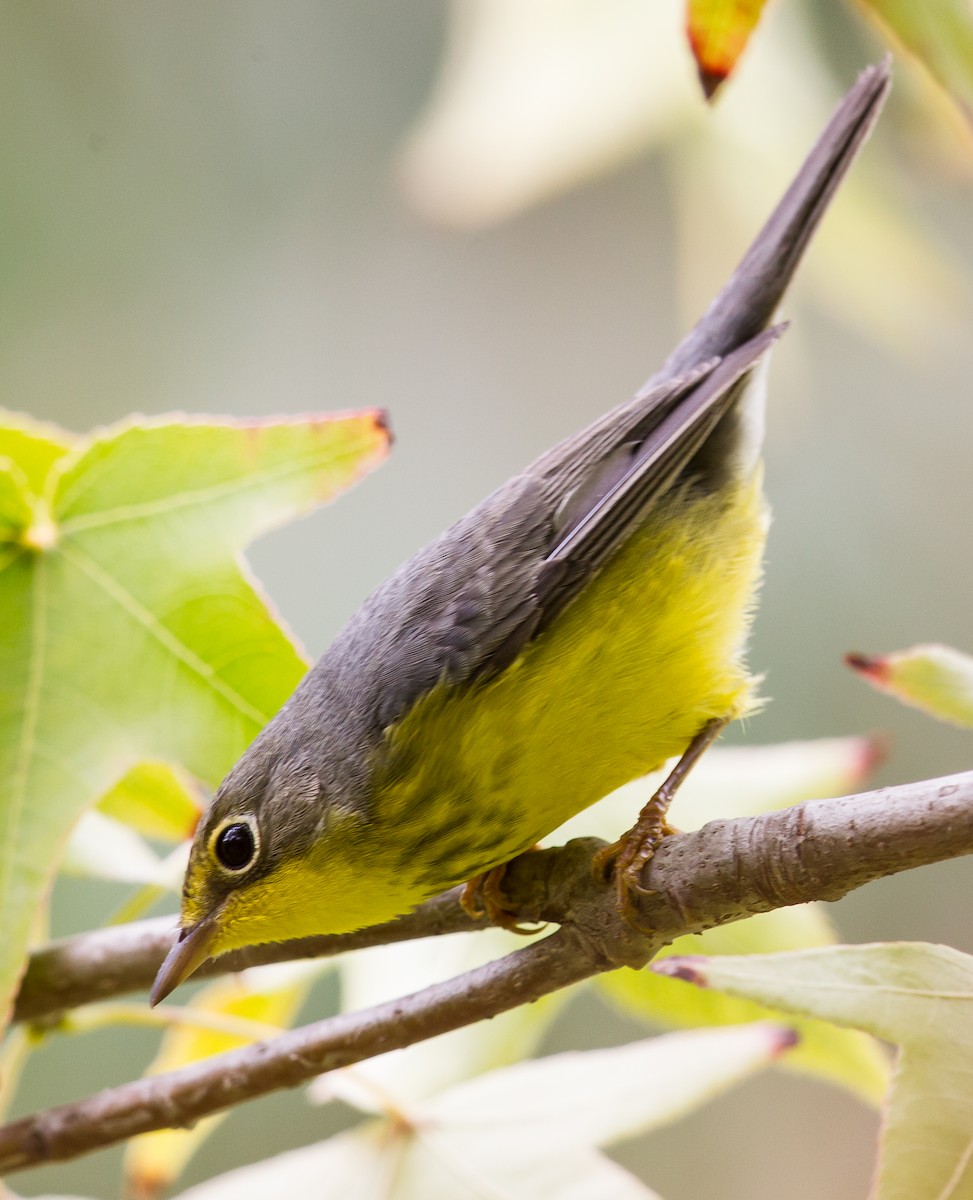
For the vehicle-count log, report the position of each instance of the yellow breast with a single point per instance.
(621, 681)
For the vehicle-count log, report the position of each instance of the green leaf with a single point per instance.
(35, 446)
(28, 451)
(527, 1132)
(131, 633)
(16, 511)
(939, 33)
(936, 679)
(918, 996)
(718, 33)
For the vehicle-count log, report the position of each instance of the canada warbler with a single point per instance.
(582, 625)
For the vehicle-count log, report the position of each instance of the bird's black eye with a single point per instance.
(235, 846)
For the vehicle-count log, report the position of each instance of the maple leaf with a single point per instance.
(132, 631)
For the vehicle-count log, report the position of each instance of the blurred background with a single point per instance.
(495, 221)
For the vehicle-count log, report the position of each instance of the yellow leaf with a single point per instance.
(939, 34)
(247, 1006)
(158, 799)
(718, 32)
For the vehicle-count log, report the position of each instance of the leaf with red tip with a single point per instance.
(738, 781)
(936, 679)
(718, 32)
(846, 1057)
(916, 995)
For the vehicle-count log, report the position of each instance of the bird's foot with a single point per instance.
(483, 896)
(625, 859)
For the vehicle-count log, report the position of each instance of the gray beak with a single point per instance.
(189, 951)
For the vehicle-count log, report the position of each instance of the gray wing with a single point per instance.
(465, 606)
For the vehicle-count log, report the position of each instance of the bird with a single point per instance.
(584, 624)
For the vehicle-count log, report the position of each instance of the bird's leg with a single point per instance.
(625, 858)
(482, 896)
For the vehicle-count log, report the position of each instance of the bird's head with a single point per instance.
(265, 864)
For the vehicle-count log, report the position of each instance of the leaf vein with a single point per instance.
(218, 491)
(165, 637)
(956, 1178)
(18, 789)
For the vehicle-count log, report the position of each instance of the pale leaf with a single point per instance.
(916, 995)
(936, 679)
(372, 976)
(522, 1133)
(102, 848)
(267, 998)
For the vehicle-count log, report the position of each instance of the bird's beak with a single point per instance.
(190, 950)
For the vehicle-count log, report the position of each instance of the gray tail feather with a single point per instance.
(748, 302)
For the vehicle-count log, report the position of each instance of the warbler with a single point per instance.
(581, 626)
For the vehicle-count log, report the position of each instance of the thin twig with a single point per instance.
(120, 959)
(292, 1058)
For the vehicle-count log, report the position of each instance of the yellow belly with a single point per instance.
(621, 681)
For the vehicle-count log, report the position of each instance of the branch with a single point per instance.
(120, 959)
(107, 963)
(724, 872)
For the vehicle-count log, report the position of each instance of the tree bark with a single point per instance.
(724, 872)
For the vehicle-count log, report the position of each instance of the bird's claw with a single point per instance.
(482, 897)
(625, 860)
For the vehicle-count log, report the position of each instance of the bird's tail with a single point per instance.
(748, 302)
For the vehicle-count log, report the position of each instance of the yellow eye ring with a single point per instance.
(234, 844)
